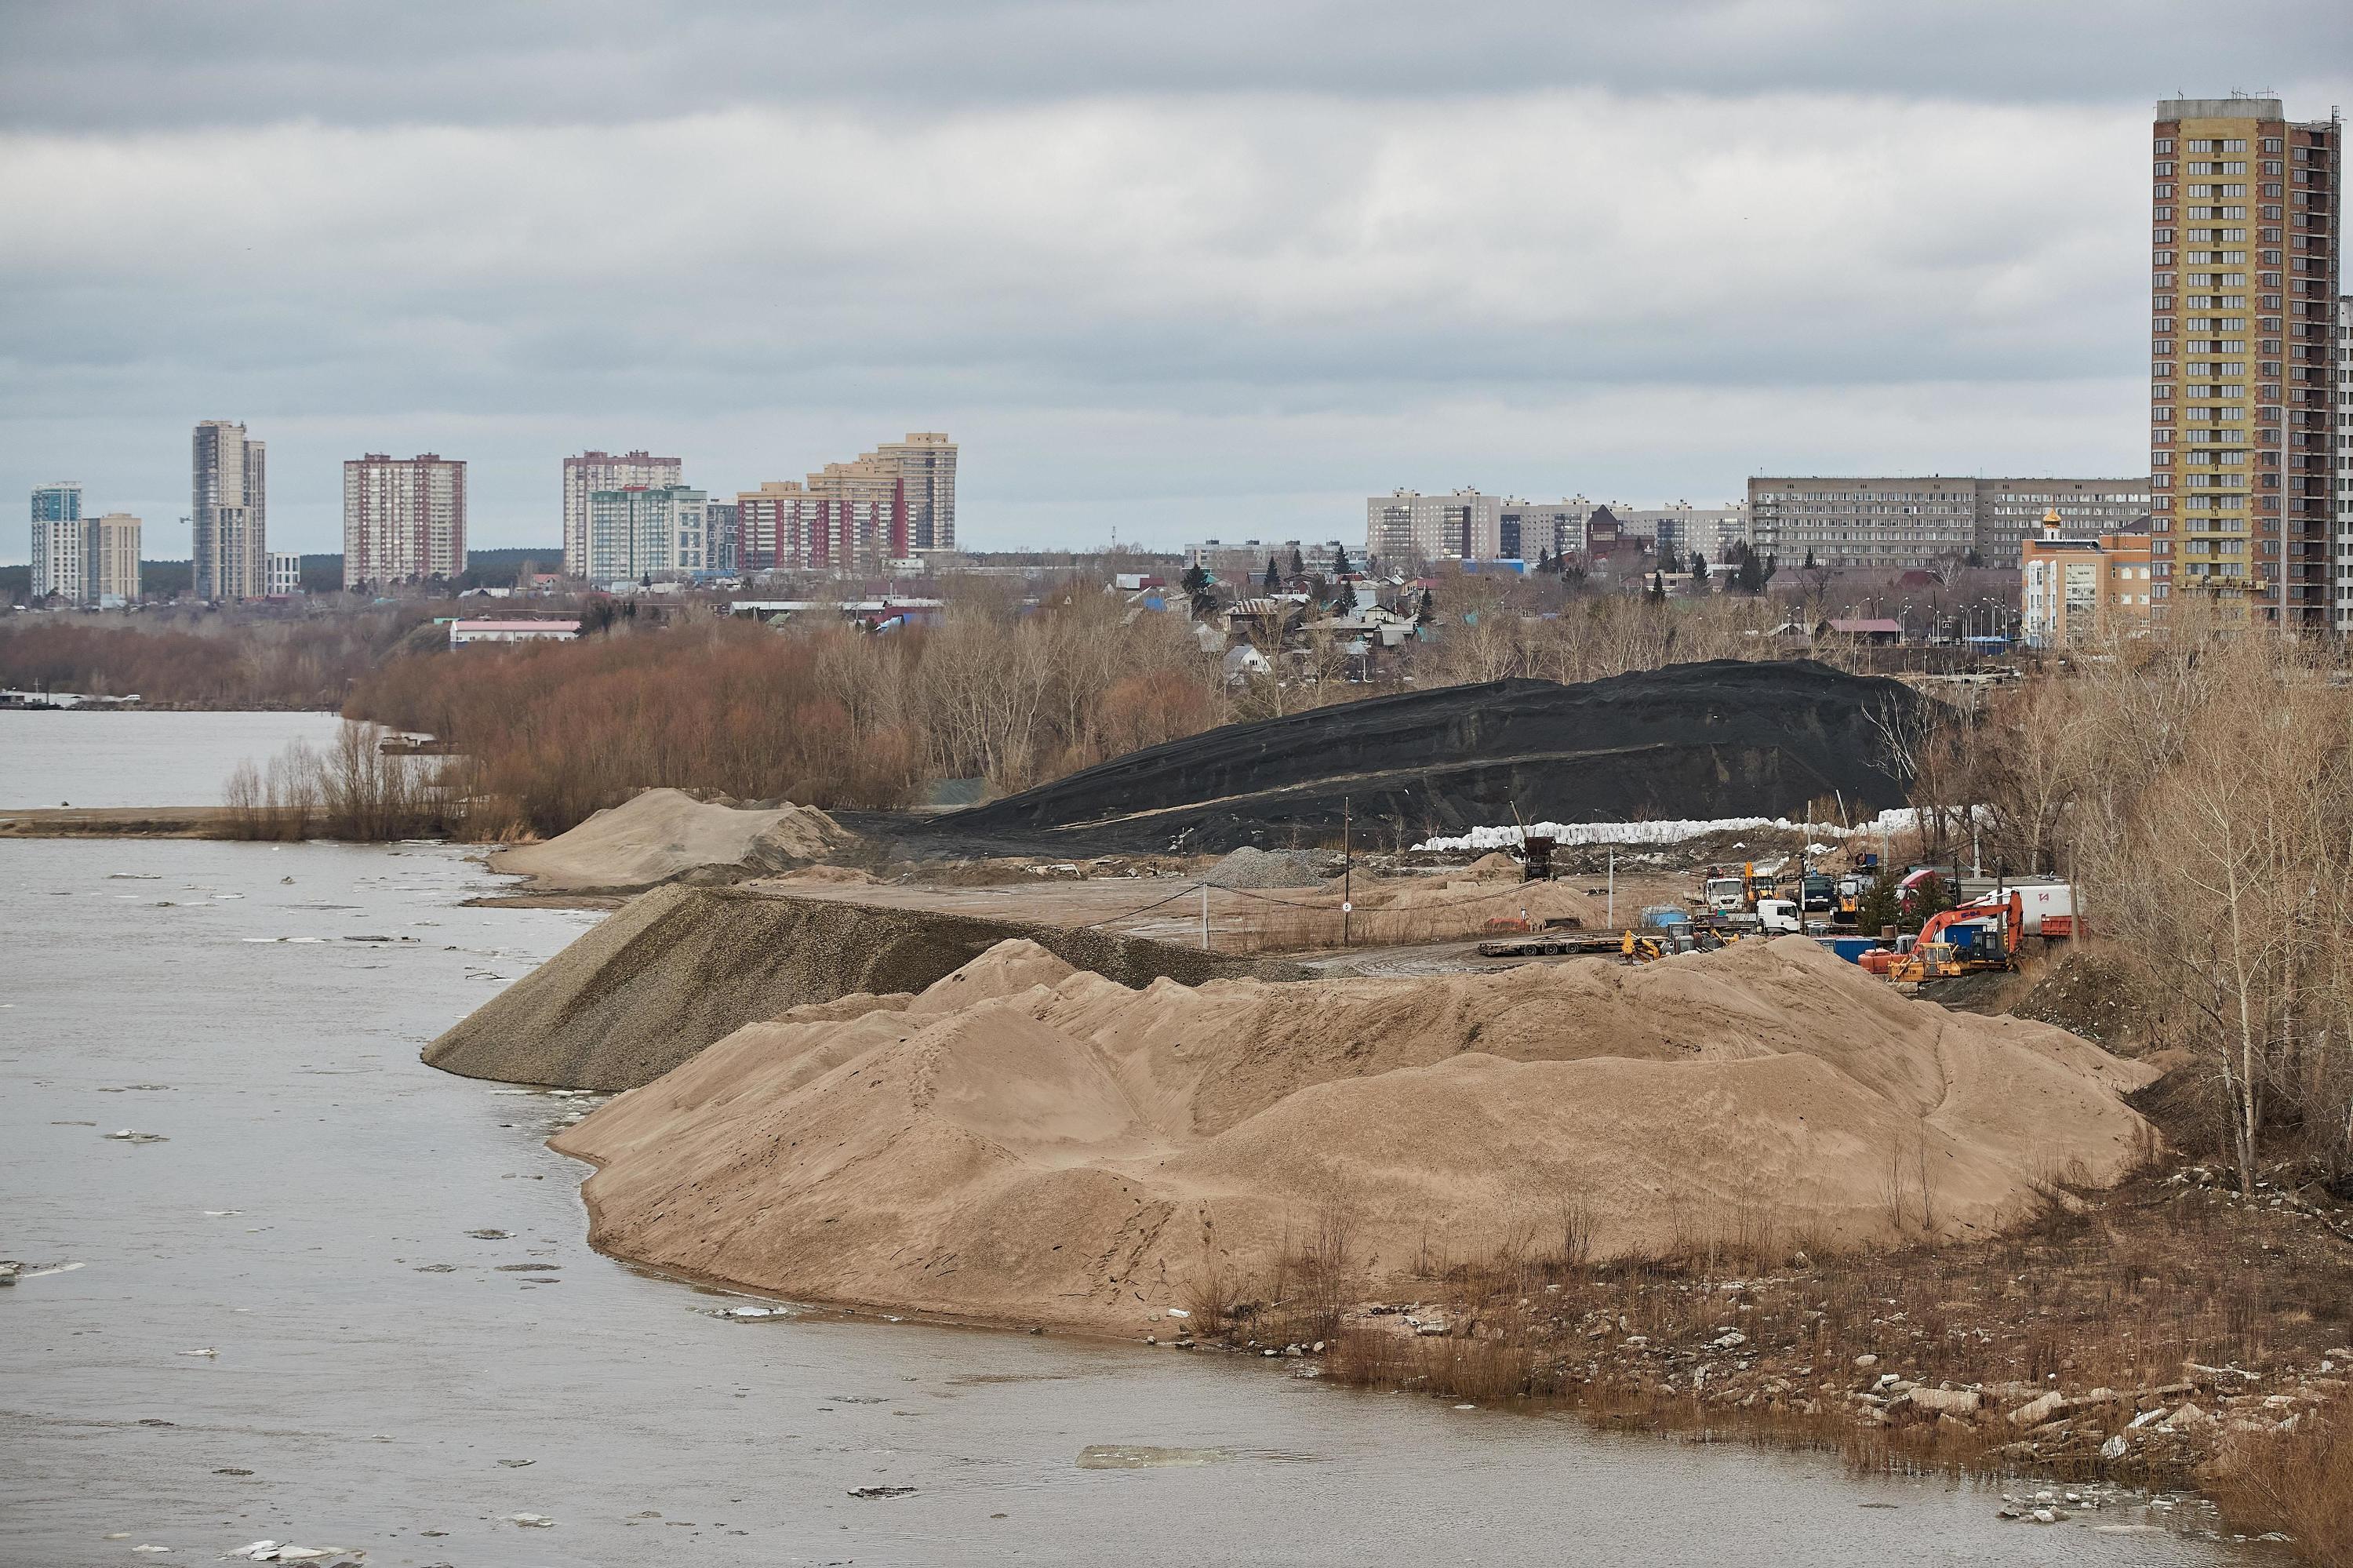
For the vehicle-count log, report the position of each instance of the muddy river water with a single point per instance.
(345, 1300)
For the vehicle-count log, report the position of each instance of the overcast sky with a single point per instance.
(1214, 268)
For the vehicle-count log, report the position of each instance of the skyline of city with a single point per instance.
(1663, 266)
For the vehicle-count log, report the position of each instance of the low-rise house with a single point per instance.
(2086, 586)
(463, 631)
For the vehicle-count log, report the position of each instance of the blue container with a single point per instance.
(1850, 948)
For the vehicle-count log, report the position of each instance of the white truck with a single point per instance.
(1780, 917)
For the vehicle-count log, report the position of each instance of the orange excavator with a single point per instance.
(1982, 933)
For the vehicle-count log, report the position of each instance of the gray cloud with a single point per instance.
(355, 61)
(1207, 270)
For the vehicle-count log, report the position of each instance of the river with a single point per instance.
(291, 1319)
(95, 757)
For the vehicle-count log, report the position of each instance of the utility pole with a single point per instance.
(1204, 917)
(1347, 873)
(1609, 913)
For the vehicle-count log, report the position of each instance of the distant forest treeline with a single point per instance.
(321, 574)
(201, 660)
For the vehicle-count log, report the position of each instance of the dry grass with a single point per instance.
(2115, 1299)
(2301, 1482)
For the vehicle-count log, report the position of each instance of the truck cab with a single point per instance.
(1727, 894)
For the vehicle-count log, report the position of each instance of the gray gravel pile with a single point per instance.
(1251, 867)
(678, 968)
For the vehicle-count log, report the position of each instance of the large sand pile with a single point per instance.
(675, 968)
(659, 834)
(1073, 1151)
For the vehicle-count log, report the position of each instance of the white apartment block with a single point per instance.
(1409, 527)
(1679, 525)
(594, 470)
(1406, 528)
(229, 514)
(645, 531)
(58, 558)
(404, 519)
(1251, 556)
(1531, 530)
(285, 574)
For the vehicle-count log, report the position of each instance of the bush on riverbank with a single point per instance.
(352, 791)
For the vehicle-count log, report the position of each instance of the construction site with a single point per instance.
(1654, 1115)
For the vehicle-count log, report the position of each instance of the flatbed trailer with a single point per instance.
(1551, 944)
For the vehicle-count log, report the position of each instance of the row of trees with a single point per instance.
(209, 661)
(2198, 787)
(822, 713)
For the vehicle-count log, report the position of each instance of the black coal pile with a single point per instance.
(1728, 739)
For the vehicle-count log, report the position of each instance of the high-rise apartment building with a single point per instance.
(111, 559)
(926, 465)
(855, 517)
(2246, 227)
(2342, 595)
(404, 519)
(230, 513)
(591, 471)
(91, 561)
(1928, 523)
(57, 545)
(645, 532)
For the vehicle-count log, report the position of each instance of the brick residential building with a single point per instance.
(855, 517)
(2076, 587)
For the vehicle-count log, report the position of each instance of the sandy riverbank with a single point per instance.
(116, 822)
